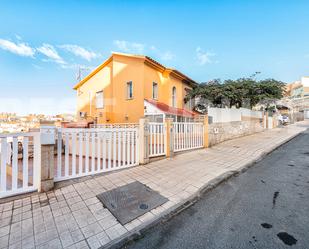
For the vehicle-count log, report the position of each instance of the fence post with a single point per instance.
(267, 120)
(47, 132)
(169, 137)
(206, 133)
(143, 141)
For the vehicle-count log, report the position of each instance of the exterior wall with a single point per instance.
(222, 115)
(127, 69)
(86, 95)
(219, 132)
(165, 87)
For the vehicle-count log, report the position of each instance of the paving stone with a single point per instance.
(15, 237)
(77, 236)
(45, 237)
(101, 213)
(103, 238)
(52, 244)
(4, 241)
(28, 243)
(115, 231)
(108, 222)
(93, 242)
(91, 229)
(4, 231)
(66, 239)
(91, 201)
(16, 245)
(7, 214)
(5, 222)
(81, 245)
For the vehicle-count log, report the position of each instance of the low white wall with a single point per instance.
(224, 115)
(249, 113)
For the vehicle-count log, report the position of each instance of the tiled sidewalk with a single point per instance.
(72, 216)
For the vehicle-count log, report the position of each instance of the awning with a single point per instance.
(166, 109)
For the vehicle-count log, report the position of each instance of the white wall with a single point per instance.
(249, 113)
(305, 81)
(222, 115)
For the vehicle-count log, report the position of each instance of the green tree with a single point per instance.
(243, 92)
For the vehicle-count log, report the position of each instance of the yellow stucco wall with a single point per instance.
(113, 80)
(87, 92)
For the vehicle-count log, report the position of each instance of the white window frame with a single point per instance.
(155, 93)
(129, 83)
(99, 105)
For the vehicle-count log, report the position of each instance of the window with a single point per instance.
(174, 99)
(129, 90)
(155, 90)
(99, 100)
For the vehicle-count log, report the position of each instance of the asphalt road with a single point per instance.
(265, 207)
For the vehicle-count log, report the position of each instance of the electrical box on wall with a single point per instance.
(47, 135)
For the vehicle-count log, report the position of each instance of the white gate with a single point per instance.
(157, 137)
(82, 152)
(187, 136)
(20, 163)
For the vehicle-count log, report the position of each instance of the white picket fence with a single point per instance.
(20, 163)
(87, 151)
(187, 136)
(157, 139)
(82, 152)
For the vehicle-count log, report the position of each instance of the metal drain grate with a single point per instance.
(130, 201)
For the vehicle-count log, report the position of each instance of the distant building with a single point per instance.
(298, 89)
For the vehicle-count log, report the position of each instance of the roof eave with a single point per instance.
(95, 71)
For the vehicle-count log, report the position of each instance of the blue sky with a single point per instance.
(42, 43)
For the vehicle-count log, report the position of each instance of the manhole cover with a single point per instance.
(130, 201)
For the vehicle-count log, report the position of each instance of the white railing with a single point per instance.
(20, 158)
(116, 125)
(187, 136)
(82, 152)
(157, 137)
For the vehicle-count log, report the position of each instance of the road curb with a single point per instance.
(174, 210)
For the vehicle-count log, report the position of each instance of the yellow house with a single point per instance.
(126, 87)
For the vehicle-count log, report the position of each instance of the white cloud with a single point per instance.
(80, 51)
(50, 52)
(130, 47)
(21, 48)
(78, 66)
(204, 57)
